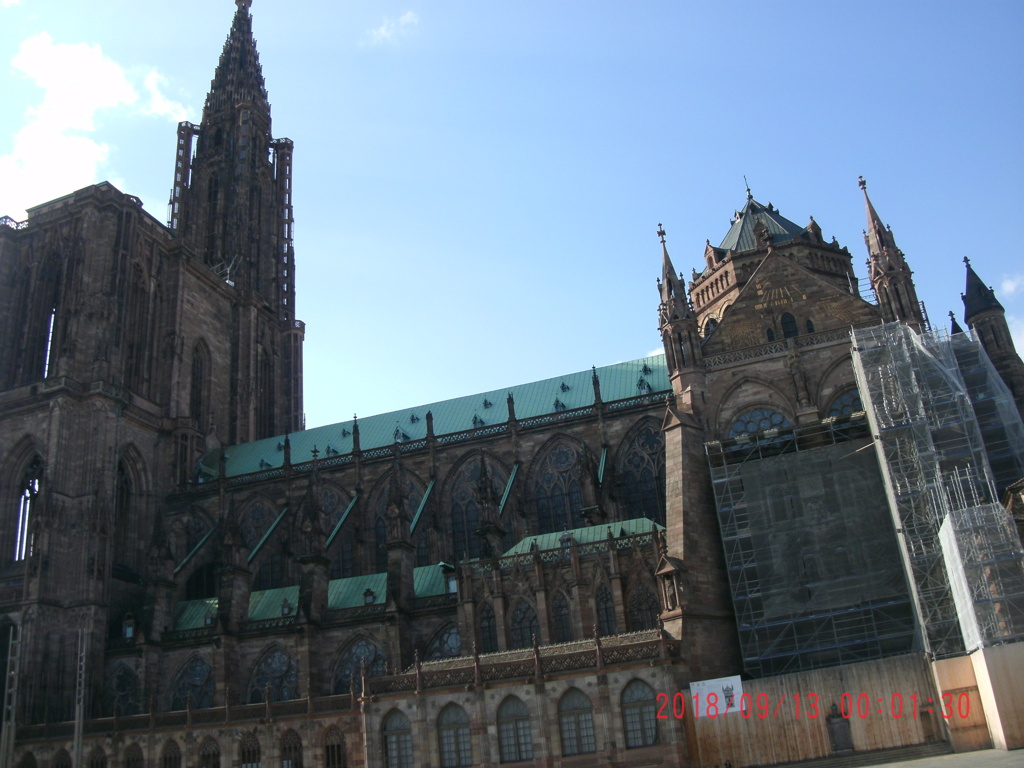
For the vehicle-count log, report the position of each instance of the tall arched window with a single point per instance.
(97, 758)
(124, 537)
(255, 523)
(453, 734)
(380, 533)
(642, 474)
(644, 609)
(275, 677)
(249, 751)
(607, 624)
(789, 327)
(271, 575)
(121, 694)
(523, 626)
(171, 757)
(515, 742)
(349, 669)
(291, 750)
(61, 760)
(488, 630)
(136, 332)
(133, 757)
(846, 403)
(576, 724)
(397, 738)
(30, 481)
(209, 753)
(193, 686)
(464, 509)
(334, 748)
(561, 618)
(40, 349)
(639, 710)
(557, 489)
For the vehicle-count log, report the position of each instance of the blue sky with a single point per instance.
(478, 184)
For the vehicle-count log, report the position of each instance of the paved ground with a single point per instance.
(986, 758)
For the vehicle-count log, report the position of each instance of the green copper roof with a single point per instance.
(741, 235)
(377, 434)
(267, 603)
(191, 614)
(585, 535)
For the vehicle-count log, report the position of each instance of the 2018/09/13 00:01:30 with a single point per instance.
(851, 705)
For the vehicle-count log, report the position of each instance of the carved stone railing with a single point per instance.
(559, 554)
(775, 348)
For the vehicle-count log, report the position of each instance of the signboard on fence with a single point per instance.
(718, 697)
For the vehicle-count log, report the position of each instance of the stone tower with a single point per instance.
(231, 202)
(129, 349)
(984, 313)
(889, 272)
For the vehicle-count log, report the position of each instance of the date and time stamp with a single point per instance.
(850, 705)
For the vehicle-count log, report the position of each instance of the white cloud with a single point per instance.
(1011, 285)
(9, 3)
(160, 104)
(54, 152)
(391, 30)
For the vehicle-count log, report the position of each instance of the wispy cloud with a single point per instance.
(54, 151)
(392, 30)
(9, 3)
(1011, 285)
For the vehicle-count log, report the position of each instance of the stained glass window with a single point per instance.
(350, 665)
(61, 760)
(171, 757)
(639, 710)
(576, 724)
(249, 751)
(271, 574)
(26, 508)
(397, 741)
(453, 734)
(209, 753)
(465, 514)
(488, 630)
(523, 625)
(97, 758)
(644, 609)
(276, 676)
(561, 618)
(133, 757)
(515, 741)
(557, 490)
(334, 748)
(193, 686)
(606, 621)
(642, 474)
(446, 644)
(291, 750)
(255, 523)
(758, 420)
(122, 692)
(789, 329)
(847, 403)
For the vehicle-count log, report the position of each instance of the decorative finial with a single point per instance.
(861, 183)
(967, 261)
(747, 185)
(661, 233)
(952, 316)
(314, 453)
(243, 5)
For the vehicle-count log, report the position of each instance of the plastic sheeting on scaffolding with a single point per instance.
(942, 419)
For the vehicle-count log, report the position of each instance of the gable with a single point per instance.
(779, 286)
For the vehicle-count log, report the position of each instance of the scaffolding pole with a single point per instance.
(938, 412)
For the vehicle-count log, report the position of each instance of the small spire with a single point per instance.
(747, 185)
(862, 184)
(661, 233)
(243, 5)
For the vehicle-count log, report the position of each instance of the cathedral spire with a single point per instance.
(676, 319)
(977, 296)
(238, 78)
(889, 272)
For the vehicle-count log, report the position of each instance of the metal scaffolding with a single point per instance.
(812, 561)
(939, 412)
